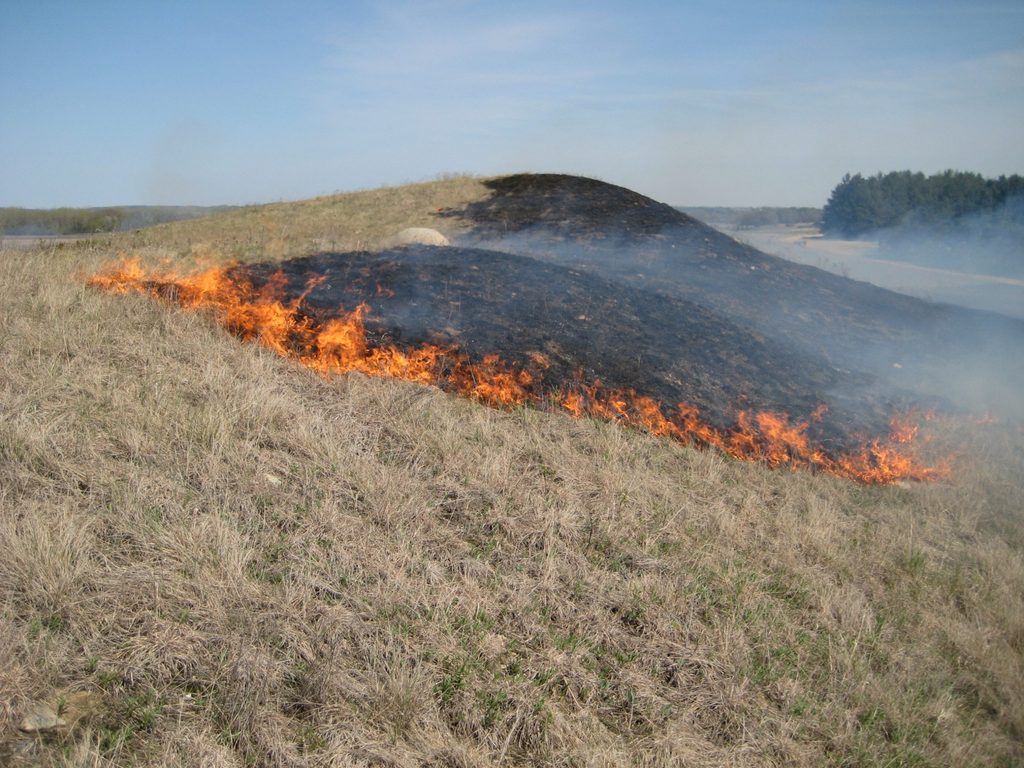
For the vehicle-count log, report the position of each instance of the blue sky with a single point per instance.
(693, 103)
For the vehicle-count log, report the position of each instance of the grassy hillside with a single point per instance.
(281, 230)
(209, 555)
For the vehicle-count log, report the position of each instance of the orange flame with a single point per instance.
(341, 345)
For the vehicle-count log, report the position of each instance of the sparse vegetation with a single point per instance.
(746, 218)
(209, 555)
(88, 221)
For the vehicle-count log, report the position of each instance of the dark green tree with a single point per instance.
(859, 205)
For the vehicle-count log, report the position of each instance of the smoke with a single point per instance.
(974, 359)
(912, 265)
(886, 345)
(974, 261)
(684, 307)
(989, 242)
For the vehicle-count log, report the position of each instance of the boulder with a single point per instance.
(415, 236)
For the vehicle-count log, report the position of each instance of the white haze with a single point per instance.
(976, 364)
(984, 378)
(980, 265)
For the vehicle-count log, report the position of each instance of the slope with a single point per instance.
(612, 231)
(210, 555)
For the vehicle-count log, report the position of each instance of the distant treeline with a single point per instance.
(859, 205)
(747, 218)
(86, 221)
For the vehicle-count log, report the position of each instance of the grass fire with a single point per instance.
(340, 344)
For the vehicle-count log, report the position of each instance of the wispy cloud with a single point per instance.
(398, 47)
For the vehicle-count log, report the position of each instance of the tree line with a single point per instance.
(861, 204)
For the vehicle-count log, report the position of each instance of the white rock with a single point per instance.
(415, 236)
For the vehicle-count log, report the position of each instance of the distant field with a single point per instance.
(745, 218)
(20, 242)
(53, 222)
(210, 555)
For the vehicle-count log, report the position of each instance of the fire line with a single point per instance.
(340, 345)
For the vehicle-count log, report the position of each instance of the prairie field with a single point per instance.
(212, 556)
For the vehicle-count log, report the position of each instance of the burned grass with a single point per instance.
(578, 325)
(903, 342)
(211, 555)
(564, 341)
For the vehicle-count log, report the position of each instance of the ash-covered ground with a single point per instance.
(611, 286)
(971, 358)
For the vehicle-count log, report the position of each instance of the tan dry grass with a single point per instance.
(349, 221)
(211, 556)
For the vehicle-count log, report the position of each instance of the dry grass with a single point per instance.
(352, 221)
(209, 556)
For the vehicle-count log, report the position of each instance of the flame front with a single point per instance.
(340, 345)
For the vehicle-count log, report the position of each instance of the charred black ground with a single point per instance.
(628, 238)
(588, 328)
(570, 207)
